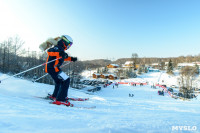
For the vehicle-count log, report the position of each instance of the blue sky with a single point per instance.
(109, 29)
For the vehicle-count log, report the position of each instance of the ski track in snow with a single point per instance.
(115, 112)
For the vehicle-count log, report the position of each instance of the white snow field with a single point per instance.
(115, 112)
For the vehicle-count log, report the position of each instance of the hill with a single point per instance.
(115, 111)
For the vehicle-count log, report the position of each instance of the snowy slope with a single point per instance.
(115, 112)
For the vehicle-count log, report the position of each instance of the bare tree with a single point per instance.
(162, 65)
(186, 79)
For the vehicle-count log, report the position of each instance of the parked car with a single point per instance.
(173, 86)
(101, 82)
(180, 94)
(190, 96)
(164, 86)
(98, 88)
(161, 92)
(93, 84)
(170, 89)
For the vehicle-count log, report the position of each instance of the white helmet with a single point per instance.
(67, 38)
(68, 41)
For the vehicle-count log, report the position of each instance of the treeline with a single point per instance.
(147, 60)
(15, 59)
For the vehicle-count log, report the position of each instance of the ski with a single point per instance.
(82, 107)
(78, 99)
(71, 99)
(46, 98)
(74, 106)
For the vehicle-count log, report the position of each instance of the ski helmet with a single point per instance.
(68, 41)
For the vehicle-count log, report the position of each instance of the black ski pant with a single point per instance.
(61, 87)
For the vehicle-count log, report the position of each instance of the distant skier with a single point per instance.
(116, 84)
(62, 81)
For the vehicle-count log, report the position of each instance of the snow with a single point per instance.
(88, 74)
(128, 62)
(115, 111)
(185, 64)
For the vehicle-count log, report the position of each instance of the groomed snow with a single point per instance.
(115, 112)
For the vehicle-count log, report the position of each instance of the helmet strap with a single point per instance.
(65, 47)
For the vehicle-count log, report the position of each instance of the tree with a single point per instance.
(119, 72)
(162, 65)
(98, 71)
(140, 70)
(134, 58)
(196, 68)
(105, 70)
(170, 67)
(130, 73)
(145, 69)
(186, 79)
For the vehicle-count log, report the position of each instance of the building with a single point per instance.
(128, 64)
(96, 75)
(182, 65)
(112, 76)
(155, 65)
(104, 76)
(112, 66)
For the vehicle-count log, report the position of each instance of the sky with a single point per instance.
(106, 29)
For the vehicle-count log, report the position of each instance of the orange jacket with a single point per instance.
(54, 53)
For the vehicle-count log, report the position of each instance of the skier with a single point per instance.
(61, 80)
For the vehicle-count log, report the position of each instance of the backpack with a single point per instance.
(49, 43)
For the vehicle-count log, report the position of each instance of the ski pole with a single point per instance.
(40, 77)
(29, 69)
(81, 91)
(47, 73)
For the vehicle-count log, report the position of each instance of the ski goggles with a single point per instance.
(66, 40)
(68, 43)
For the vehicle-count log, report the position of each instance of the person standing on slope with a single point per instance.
(61, 80)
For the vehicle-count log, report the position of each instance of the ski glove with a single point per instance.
(73, 59)
(63, 54)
